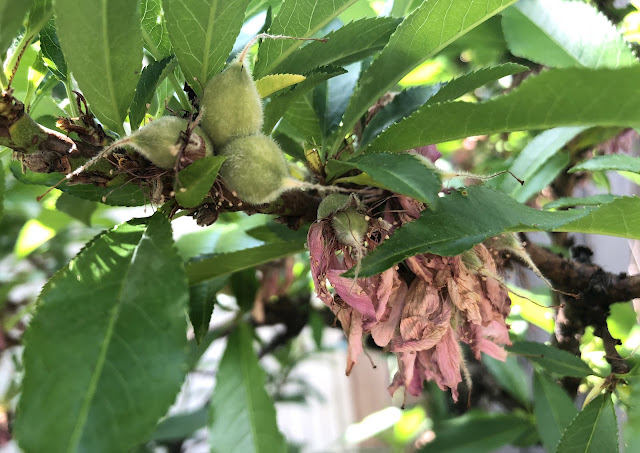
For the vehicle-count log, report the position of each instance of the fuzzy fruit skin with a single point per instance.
(159, 141)
(255, 168)
(232, 105)
(350, 227)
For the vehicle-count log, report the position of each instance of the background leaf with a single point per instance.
(11, 17)
(99, 375)
(553, 409)
(240, 391)
(594, 430)
(1, 189)
(560, 97)
(553, 360)
(202, 34)
(561, 33)
(570, 202)
(102, 45)
(228, 263)
(77, 208)
(511, 377)
(618, 218)
(428, 29)
(299, 18)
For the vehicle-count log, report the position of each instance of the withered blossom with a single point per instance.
(421, 316)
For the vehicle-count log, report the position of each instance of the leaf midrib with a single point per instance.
(107, 56)
(102, 357)
(207, 42)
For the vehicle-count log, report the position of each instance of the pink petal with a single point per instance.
(352, 293)
(384, 330)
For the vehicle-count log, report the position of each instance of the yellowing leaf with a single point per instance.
(276, 82)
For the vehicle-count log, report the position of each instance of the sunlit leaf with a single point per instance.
(194, 182)
(275, 82)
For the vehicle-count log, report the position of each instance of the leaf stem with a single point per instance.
(73, 108)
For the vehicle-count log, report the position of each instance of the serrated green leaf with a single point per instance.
(279, 104)
(559, 97)
(240, 391)
(350, 43)
(125, 195)
(536, 154)
(618, 162)
(427, 30)
(102, 383)
(510, 376)
(459, 222)
(202, 298)
(77, 208)
(473, 80)
(406, 174)
(228, 263)
(561, 33)
(300, 121)
(12, 15)
(154, 29)
(194, 182)
(152, 76)
(553, 409)
(477, 432)
(330, 99)
(618, 218)
(102, 45)
(299, 18)
(553, 360)
(594, 430)
(275, 82)
(202, 34)
(570, 202)
(52, 52)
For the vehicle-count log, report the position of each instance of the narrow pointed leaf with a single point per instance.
(331, 98)
(152, 76)
(560, 97)
(275, 82)
(228, 263)
(553, 409)
(202, 298)
(299, 18)
(40, 13)
(553, 360)
(11, 17)
(101, 383)
(458, 223)
(620, 218)
(570, 202)
(243, 417)
(52, 52)
(617, 162)
(406, 174)
(125, 195)
(350, 43)
(102, 45)
(561, 33)
(426, 31)
(1, 190)
(202, 34)
(594, 430)
(195, 181)
(154, 29)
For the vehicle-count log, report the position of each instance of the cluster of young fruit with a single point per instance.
(229, 125)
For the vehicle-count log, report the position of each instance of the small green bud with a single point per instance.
(232, 105)
(255, 169)
(332, 203)
(161, 140)
(350, 227)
